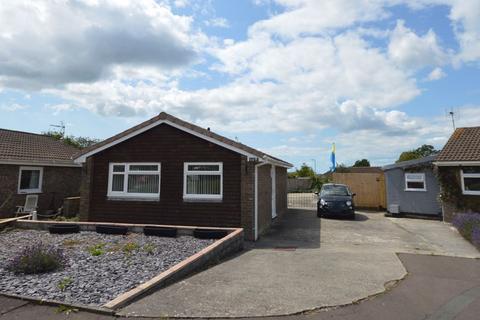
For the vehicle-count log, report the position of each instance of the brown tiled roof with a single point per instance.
(24, 147)
(180, 122)
(463, 145)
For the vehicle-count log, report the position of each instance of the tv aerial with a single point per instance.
(61, 126)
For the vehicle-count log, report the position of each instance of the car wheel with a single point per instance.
(319, 215)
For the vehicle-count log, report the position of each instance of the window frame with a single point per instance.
(186, 172)
(131, 195)
(469, 175)
(424, 180)
(40, 180)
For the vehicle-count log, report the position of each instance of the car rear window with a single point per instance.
(332, 190)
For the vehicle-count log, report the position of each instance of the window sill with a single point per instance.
(29, 191)
(413, 190)
(471, 193)
(217, 200)
(116, 198)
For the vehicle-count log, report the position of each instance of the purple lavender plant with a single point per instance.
(37, 258)
(476, 236)
(466, 223)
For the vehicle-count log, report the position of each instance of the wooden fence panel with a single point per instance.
(369, 188)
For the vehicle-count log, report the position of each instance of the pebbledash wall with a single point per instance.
(172, 147)
(453, 199)
(57, 184)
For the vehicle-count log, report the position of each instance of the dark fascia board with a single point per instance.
(410, 163)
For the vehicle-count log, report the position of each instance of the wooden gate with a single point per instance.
(369, 188)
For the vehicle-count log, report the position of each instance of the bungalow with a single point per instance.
(412, 187)
(458, 166)
(168, 171)
(38, 165)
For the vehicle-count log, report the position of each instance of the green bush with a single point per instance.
(37, 258)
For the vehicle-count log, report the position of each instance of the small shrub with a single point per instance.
(97, 250)
(37, 258)
(65, 309)
(129, 247)
(64, 283)
(149, 248)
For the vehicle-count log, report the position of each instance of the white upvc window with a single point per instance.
(415, 182)
(471, 180)
(203, 180)
(134, 180)
(30, 179)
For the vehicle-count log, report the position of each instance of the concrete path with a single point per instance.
(305, 263)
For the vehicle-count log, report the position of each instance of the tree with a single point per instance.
(423, 151)
(304, 171)
(77, 142)
(342, 168)
(362, 163)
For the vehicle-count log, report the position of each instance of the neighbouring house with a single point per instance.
(368, 184)
(168, 171)
(458, 166)
(412, 187)
(35, 164)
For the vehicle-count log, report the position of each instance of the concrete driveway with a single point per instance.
(305, 263)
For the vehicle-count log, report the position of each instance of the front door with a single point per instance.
(274, 192)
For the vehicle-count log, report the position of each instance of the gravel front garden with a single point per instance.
(98, 267)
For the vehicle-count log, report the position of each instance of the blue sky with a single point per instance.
(286, 76)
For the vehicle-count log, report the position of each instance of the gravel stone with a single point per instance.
(95, 280)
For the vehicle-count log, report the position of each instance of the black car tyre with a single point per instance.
(160, 232)
(64, 228)
(209, 234)
(105, 229)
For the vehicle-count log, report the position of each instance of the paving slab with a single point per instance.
(44, 312)
(9, 304)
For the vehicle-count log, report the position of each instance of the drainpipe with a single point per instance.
(256, 197)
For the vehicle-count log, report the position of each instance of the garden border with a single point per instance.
(209, 255)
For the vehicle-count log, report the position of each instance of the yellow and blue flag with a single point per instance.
(332, 158)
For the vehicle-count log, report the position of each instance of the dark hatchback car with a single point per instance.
(336, 199)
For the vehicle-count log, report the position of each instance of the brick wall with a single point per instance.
(465, 203)
(58, 183)
(281, 190)
(85, 189)
(264, 198)
(248, 198)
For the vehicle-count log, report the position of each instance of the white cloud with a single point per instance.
(436, 74)
(466, 18)
(318, 17)
(82, 41)
(411, 51)
(12, 107)
(217, 22)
